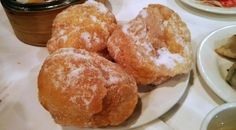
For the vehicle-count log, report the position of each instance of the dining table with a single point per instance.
(192, 107)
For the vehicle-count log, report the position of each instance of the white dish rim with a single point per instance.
(201, 68)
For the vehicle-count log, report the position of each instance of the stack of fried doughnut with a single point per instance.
(82, 26)
(81, 88)
(154, 46)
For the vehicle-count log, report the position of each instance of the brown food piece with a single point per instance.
(231, 76)
(229, 49)
(154, 46)
(212, 2)
(81, 88)
(83, 26)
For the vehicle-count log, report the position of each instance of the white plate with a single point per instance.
(24, 112)
(219, 10)
(20, 64)
(212, 67)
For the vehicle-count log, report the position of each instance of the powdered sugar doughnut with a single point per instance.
(83, 89)
(154, 46)
(83, 26)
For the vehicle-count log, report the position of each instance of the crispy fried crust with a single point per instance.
(154, 46)
(83, 89)
(83, 26)
(228, 49)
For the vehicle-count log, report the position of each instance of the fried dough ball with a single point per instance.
(154, 46)
(83, 26)
(81, 88)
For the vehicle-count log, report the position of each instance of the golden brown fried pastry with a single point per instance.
(83, 26)
(154, 46)
(81, 88)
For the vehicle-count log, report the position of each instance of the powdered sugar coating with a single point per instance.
(100, 7)
(125, 28)
(137, 31)
(113, 77)
(69, 52)
(74, 86)
(82, 26)
(87, 38)
(168, 59)
(94, 18)
(153, 46)
(72, 76)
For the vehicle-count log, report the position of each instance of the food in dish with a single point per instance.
(231, 76)
(154, 46)
(229, 49)
(83, 26)
(81, 88)
(32, 22)
(220, 3)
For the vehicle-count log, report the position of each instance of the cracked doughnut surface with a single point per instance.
(82, 26)
(81, 88)
(154, 46)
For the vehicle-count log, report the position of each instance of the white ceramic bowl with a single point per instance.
(213, 67)
(220, 115)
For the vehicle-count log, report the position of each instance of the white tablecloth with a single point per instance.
(199, 99)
